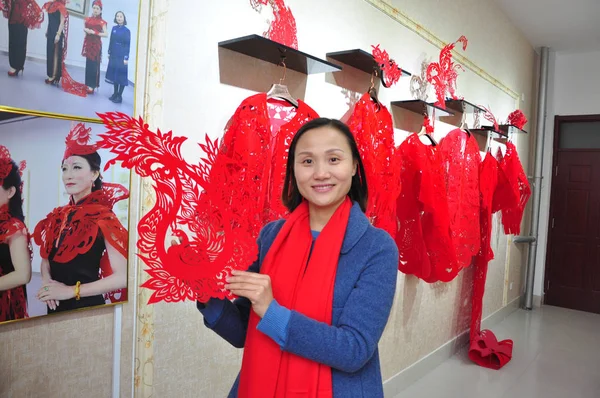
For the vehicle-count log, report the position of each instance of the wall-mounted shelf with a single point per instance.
(484, 130)
(268, 50)
(421, 107)
(506, 128)
(359, 59)
(462, 106)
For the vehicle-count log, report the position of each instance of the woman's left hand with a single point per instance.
(125, 62)
(53, 290)
(255, 287)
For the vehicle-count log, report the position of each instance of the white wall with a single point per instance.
(41, 143)
(573, 89)
(36, 40)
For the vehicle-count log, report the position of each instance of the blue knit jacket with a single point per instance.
(363, 294)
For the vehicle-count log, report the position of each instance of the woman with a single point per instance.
(118, 53)
(83, 245)
(313, 307)
(22, 15)
(15, 255)
(95, 29)
(55, 39)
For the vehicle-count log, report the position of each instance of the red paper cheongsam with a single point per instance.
(495, 190)
(424, 236)
(511, 217)
(460, 161)
(13, 302)
(373, 130)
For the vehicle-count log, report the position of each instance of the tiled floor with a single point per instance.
(556, 355)
(28, 91)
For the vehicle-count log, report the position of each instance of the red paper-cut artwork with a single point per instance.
(443, 74)
(517, 119)
(191, 204)
(391, 72)
(283, 27)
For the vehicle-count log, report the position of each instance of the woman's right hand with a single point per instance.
(52, 304)
(57, 38)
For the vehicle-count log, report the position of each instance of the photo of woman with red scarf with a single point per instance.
(15, 253)
(83, 244)
(95, 30)
(22, 15)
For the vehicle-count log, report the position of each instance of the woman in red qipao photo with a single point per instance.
(15, 254)
(83, 244)
(95, 30)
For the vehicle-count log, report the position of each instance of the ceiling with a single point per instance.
(562, 25)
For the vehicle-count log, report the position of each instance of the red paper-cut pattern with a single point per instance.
(460, 159)
(283, 27)
(373, 129)
(484, 348)
(92, 44)
(13, 302)
(489, 116)
(68, 83)
(443, 74)
(78, 141)
(424, 238)
(26, 12)
(5, 163)
(215, 208)
(511, 164)
(391, 72)
(83, 221)
(517, 118)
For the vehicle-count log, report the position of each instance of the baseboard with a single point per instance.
(538, 301)
(408, 376)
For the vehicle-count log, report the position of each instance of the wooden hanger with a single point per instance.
(423, 132)
(280, 90)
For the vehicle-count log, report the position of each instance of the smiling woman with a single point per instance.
(312, 308)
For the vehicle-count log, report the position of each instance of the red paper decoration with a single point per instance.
(283, 27)
(373, 130)
(443, 74)
(517, 119)
(191, 202)
(391, 72)
(26, 12)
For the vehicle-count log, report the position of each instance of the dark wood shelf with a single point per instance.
(462, 106)
(268, 50)
(505, 128)
(359, 59)
(421, 107)
(484, 130)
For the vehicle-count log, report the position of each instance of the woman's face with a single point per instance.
(77, 176)
(120, 18)
(6, 194)
(96, 11)
(323, 167)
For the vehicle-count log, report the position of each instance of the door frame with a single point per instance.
(558, 120)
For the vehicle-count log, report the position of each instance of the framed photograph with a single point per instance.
(75, 69)
(76, 212)
(79, 8)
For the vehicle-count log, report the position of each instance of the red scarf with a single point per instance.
(267, 371)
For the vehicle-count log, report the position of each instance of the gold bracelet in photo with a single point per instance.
(77, 288)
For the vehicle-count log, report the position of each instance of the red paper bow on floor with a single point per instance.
(487, 351)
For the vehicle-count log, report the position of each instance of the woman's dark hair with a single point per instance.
(358, 190)
(15, 204)
(124, 17)
(94, 160)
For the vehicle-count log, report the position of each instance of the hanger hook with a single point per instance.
(284, 69)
